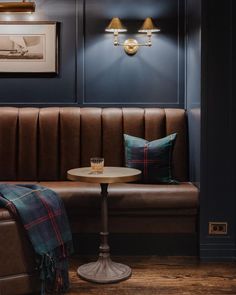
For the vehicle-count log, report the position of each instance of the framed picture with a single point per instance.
(28, 47)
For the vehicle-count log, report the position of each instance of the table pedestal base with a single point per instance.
(104, 271)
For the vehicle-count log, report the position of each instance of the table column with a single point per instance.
(104, 270)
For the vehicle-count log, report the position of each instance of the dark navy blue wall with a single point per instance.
(218, 186)
(212, 124)
(92, 71)
(154, 75)
(60, 89)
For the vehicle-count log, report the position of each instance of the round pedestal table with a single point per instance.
(104, 270)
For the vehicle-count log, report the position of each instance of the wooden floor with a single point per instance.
(162, 276)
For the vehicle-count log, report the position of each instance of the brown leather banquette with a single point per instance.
(40, 145)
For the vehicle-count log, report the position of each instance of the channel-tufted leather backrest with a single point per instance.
(42, 144)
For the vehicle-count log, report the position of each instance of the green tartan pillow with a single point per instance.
(153, 158)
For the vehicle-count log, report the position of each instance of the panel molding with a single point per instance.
(180, 71)
(79, 92)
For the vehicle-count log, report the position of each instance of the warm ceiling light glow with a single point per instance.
(22, 6)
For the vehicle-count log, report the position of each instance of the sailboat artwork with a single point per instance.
(30, 47)
(22, 47)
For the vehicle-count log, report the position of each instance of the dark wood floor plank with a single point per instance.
(162, 276)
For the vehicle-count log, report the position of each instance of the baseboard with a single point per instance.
(218, 252)
(140, 244)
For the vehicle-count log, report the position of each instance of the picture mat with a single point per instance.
(31, 66)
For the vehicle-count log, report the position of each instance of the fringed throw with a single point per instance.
(43, 216)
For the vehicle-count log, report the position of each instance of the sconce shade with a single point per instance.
(22, 6)
(115, 26)
(148, 26)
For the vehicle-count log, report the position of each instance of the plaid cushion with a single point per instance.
(153, 158)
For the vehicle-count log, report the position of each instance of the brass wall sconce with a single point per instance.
(21, 6)
(131, 46)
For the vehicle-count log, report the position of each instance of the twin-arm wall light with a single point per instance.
(131, 46)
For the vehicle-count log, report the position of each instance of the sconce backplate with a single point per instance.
(131, 46)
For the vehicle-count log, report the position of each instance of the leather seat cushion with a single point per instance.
(84, 198)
